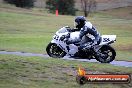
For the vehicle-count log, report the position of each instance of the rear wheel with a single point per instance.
(55, 51)
(106, 54)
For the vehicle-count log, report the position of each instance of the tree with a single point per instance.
(63, 6)
(21, 3)
(88, 6)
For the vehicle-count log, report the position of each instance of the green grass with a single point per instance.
(26, 43)
(122, 12)
(39, 72)
(29, 33)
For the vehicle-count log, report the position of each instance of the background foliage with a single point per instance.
(65, 7)
(21, 3)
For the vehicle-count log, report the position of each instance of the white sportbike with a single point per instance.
(102, 52)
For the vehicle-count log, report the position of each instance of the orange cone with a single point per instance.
(57, 13)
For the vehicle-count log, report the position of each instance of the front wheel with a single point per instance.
(106, 54)
(55, 51)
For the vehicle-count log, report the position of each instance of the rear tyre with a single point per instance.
(106, 54)
(55, 51)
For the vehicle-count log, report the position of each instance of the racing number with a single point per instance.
(106, 39)
(56, 37)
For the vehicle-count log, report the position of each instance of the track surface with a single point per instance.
(115, 63)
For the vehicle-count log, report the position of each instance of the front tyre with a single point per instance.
(55, 51)
(106, 54)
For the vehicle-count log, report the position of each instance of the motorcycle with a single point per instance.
(58, 48)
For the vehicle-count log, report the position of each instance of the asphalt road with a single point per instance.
(115, 63)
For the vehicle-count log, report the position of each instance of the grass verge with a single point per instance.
(33, 72)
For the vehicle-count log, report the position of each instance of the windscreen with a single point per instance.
(62, 30)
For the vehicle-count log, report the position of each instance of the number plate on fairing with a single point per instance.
(107, 38)
(56, 37)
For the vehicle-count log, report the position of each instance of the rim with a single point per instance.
(55, 50)
(105, 55)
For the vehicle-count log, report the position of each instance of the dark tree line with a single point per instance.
(67, 6)
(21, 3)
(63, 6)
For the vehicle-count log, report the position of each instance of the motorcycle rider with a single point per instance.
(85, 28)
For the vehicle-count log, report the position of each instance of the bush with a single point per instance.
(64, 6)
(21, 3)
